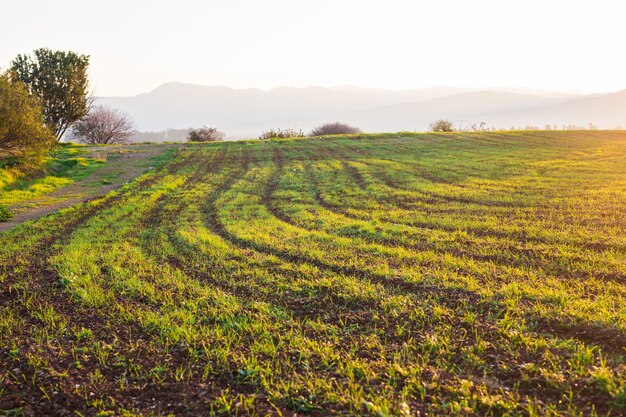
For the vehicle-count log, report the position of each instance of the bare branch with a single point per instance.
(103, 125)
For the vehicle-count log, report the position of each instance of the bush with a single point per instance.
(442, 125)
(280, 134)
(5, 213)
(205, 134)
(335, 129)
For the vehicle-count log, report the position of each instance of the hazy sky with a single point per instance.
(137, 45)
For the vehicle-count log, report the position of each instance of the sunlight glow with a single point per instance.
(136, 46)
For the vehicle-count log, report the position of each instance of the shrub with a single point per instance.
(205, 134)
(335, 128)
(5, 213)
(442, 125)
(24, 138)
(279, 134)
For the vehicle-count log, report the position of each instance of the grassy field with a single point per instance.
(396, 274)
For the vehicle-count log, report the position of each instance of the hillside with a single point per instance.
(246, 112)
(392, 274)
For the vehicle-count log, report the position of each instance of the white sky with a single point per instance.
(136, 45)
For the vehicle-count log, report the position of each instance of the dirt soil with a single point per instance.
(123, 163)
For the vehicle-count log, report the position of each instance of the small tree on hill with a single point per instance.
(335, 128)
(23, 134)
(103, 125)
(60, 81)
(205, 134)
(442, 125)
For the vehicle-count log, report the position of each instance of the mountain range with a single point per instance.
(247, 112)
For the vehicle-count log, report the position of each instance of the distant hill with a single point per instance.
(178, 105)
(461, 108)
(607, 111)
(246, 112)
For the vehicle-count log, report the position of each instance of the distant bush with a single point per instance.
(5, 213)
(336, 128)
(442, 125)
(279, 134)
(205, 134)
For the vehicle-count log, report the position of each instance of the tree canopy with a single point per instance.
(60, 81)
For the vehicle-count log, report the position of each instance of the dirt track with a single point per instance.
(123, 163)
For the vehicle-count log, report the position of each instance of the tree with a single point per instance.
(103, 125)
(24, 136)
(442, 125)
(60, 81)
(336, 128)
(205, 134)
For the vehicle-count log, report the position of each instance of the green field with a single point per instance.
(395, 274)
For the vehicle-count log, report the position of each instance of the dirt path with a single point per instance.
(123, 163)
